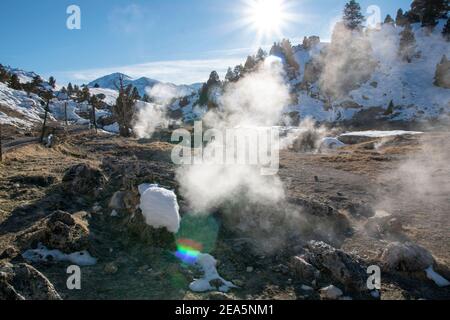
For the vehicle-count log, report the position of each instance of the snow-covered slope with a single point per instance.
(110, 95)
(19, 109)
(410, 86)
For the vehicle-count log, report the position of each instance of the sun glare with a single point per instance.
(267, 17)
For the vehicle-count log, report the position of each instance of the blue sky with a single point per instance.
(178, 41)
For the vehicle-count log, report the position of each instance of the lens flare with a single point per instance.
(188, 250)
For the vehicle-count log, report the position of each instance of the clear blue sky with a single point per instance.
(179, 41)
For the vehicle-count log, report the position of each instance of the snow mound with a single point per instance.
(331, 143)
(43, 254)
(159, 207)
(113, 128)
(208, 264)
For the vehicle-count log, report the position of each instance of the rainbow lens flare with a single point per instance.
(188, 250)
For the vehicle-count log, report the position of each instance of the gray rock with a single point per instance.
(341, 266)
(117, 201)
(331, 293)
(66, 232)
(83, 179)
(406, 257)
(24, 282)
(303, 270)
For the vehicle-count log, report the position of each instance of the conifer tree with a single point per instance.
(70, 89)
(124, 108)
(4, 75)
(261, 55)
(429, 11)
(230, 76)
(389, 20)
(400, 20)
(52, 82)
(14, 82)
(446, 30)
(353, 18)
(407, 44)
(390, 109)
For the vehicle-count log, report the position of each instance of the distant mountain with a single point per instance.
(112, 80)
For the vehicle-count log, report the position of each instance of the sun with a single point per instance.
(267, 17)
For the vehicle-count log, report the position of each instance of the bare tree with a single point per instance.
(47, 95)
(124, 108)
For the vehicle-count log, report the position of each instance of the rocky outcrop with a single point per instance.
(61, 230)
(24, 282)
(339, 265)
(66, 232)
(83, 179)
(407, 257)
(442, 76)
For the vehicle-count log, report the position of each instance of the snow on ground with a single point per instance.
(110, 94)
(43, 254)
(57, 108)
(208, 265)
(19, 109)
(437, 278)
(113, 128)
(380, 134)
(409, 85)
(159, 207)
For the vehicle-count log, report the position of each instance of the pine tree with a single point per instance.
(213, 80)
(261, 55)
(52, 82)
(146, 98)
(400, 20)
(70, 89)
(124, 108)
(353, 18)
(389, 20)
(429, 11)
(135, 94)
(407, 44)
(84, 94)
(4, 75)
(446, 30)
(14, 82)
(238, 70)
(305, 43)
(37, 83)
(95, 102)
(230, 76)
(290, 59)
(250, 64)
(390, 109)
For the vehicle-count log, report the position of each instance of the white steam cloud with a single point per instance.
(152, 116)
(257, 100)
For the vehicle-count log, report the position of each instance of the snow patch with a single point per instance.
(43, 254)
(159, 207)
(380, 134)
(208, 265)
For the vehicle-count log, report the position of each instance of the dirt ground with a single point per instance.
(408, 178)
